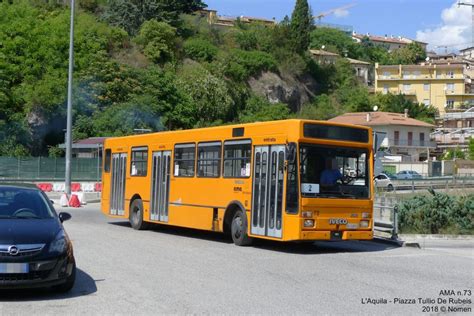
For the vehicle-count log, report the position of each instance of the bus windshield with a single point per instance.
(334, 172)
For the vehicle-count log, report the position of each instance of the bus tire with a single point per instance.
(136, 215)
(238, 229)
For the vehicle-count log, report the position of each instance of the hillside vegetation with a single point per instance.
(153, 64)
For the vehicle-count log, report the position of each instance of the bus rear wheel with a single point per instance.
(238, 229)
(136, 215)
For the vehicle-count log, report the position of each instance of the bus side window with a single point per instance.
(139, 161)
(184, 160)
(107, 159)
(237, 158)
(209, 160)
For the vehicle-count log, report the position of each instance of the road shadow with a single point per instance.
(183, 232)
(84, 285)
(304, 248)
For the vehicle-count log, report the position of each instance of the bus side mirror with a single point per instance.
(291, 152)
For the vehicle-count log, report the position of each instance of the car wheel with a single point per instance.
(238, 229)
(390, 187)
(66, 287)
(136, 215)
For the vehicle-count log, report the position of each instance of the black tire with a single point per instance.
(136, 215)
(66, 287)
(390, 188)
(238, 229)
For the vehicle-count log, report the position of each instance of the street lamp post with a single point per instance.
(69, 105)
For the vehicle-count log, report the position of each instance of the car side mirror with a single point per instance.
(63, 216)
(52, 202)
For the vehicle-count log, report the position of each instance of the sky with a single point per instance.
(437, 22)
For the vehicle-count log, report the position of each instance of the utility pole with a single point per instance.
(69, 105)
(460, 3)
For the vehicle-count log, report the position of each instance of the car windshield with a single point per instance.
(334, 172)
(20, 203)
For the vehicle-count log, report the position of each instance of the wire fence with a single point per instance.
(49, 169)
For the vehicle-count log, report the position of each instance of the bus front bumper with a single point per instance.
(337, 235)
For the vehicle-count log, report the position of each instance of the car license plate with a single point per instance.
(14, 268)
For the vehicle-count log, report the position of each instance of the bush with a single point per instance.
(437, 213)
(158, 40)
(260, 110)
(243, 64)
(200, 49)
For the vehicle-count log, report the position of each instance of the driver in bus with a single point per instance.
(331, 174)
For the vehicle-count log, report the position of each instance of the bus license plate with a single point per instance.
(14, 268)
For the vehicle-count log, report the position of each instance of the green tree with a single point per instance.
(210, 98)
(397, 103)
(200, 49)
(131, 14)
(323, 107)
(471, 148)
(410, 54)
(335, 41)
(158, 40)
(454, 153)
(260, 110)
(301, 24)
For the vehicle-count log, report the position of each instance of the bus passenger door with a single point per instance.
(117, 191)
(267, 196)
(160, 186)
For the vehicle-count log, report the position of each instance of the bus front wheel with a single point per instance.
(136, 215)
(239, 229)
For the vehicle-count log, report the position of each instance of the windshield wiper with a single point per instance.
(27, 216)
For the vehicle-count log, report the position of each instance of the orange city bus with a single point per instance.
(290, 180)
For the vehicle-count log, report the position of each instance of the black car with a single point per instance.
(35, 250)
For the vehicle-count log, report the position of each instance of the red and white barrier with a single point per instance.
(75, 186)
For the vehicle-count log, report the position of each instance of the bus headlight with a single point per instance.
(307, 214)
(308, 222)
(364, 224)
(365, 215)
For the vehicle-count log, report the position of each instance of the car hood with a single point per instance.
(28, 231)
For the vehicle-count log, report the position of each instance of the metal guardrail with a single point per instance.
(387, 226)
(435, 183)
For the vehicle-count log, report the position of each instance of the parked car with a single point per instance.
(408, 174)
(35, 250)
(383, 181)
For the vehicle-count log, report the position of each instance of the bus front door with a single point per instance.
(267, 196)
(117, 192)
(160, 186)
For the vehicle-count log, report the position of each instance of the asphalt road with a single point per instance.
(178, 271)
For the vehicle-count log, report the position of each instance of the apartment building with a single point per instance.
(229, 21)
(446, 86)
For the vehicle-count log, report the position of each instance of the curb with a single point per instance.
(436, 237)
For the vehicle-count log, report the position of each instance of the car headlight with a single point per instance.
(58, 245)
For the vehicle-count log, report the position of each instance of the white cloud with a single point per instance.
(340, 13)
(454, 31)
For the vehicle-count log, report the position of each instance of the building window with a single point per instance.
(139, 161)
(386, 74)
(396, 137)
(209, 160)
(184, 157)
(450, 74)
(237, 159)
(410, 138)
(450, 86)
(385, 88)
(406, 87)
(449, 104)
(107, 159)
(426, 102)
(406, 74)
(426, 87)
(422, 139)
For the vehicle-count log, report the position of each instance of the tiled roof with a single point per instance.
(91, 141)
(378, 119)
(319, 52)
(387, 39)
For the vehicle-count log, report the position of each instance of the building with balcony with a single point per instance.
(446, 86)
(391, 42)
(405, 136)
(455, 129)
(220, 20)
